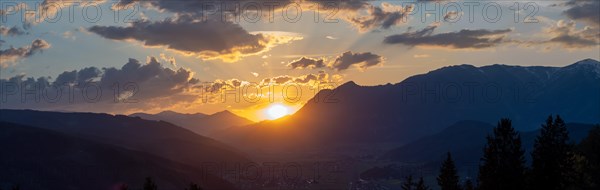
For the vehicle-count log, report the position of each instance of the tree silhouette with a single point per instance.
(194, 186)
(590, 166)
(503, 160)
(408, 183)
(421, 185)
(149, 184)
(123, 187)
(448, 178)
(552, 157)
(16, 187)
(469, 185)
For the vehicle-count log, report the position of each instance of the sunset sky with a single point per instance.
(176, 52)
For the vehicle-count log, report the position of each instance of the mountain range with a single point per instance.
(36, 158)
(465, 140)
(155, 137)
(425, 104)
(448, 109)
(199, 123)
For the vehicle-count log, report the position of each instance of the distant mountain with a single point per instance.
(155, 137)
(425, 104)
(199, 123)
(465, 140)
(175, 116)
(36, 158)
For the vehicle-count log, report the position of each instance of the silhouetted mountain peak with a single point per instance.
(174, 113)
(589, 67)
(587, 61)
(585, 64)
(225, 113)
(349, 84)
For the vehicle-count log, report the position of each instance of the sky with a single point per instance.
(126, 56)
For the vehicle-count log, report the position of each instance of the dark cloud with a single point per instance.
(584, 10)
(78, 77)
(156, 80)
(342, 62)
(13, 54)
(147, 84)
(203, 8)
(209, 39)
(307, 63)
(360, 60)
(476, 39)
(13, 31)
(384, 17)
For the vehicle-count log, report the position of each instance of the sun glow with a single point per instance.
(276, 111)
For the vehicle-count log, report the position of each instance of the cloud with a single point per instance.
(308, 79)
(462, 39)
(382, 17)
(157, 81)
(13, 31)
(584, 10)
(361, 60)
(170, 60)
(12, 54)
(568, 36)
(12, 8)
(305, 62)
(134, 85)
(209, 39)
(69, 35)
(78, 77)
(452, 16)
(342, 62)
(202, 8)
(421, 56)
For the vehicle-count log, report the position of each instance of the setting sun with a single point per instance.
(276, 111)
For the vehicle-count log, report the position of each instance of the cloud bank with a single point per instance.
(474, 39)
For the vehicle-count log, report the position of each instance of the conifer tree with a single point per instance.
(408, 183)
(448, 178)
(590, 163)
(149, 184)
(194, 186)
(469, 185)
(123, 187)
(552, 157)
(503, 163)
(421, 185)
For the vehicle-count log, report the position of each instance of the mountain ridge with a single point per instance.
(404, 111)
(199, 123)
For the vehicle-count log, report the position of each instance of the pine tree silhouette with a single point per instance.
(552, 157)
(149, 184)
(194, 186)
(448, 178)
(16, 187)
(469, 185)
(408, 183)
(590, 166)
(503, 162)
(421, 185)
(123, 187)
